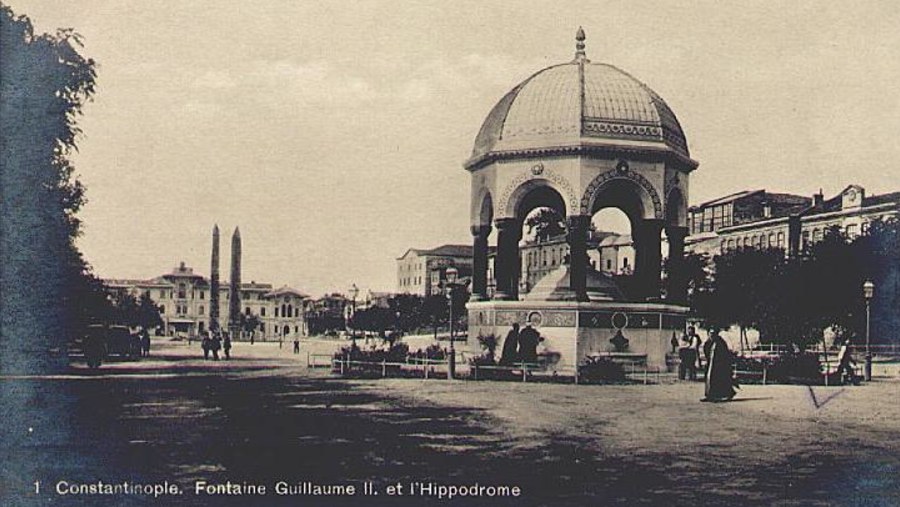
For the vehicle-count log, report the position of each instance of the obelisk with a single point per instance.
(234, 303)
(214, 282)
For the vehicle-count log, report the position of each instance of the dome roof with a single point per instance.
(579, 104)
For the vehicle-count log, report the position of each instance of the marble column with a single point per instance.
(578, 259)
(506, 264)
(677, 283)
(648, 258)
(480, 235)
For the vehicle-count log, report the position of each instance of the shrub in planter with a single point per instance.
(433, 352)
(786, 368)
(600, 370)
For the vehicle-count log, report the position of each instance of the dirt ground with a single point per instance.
(265, 417)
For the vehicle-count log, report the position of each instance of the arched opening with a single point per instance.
(286, 330)
(623, 215)
(544, 246)
(537, 200)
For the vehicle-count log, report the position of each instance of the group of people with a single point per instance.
(719, 362)
(213, 342)
(520, 346)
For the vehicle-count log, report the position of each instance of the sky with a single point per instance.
(333, 133)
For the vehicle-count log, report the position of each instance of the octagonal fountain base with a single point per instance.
(572, 331)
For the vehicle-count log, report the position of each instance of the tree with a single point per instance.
(545, 224)
(44, 82)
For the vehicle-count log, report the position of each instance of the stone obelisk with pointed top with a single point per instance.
(214, 282)
(234, 301)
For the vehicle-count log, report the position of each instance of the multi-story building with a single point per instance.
(759, 219)
(183, 298)
(421, 271)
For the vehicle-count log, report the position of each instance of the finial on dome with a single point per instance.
(579, 44)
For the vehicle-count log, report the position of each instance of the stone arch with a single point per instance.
(518, 188)
(651, 203)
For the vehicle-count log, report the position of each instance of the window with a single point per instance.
(608, 264)
(202, 294)
(771, 243)
(781, 240)
(297, 312)
(182, 291)
(724, 246)
(865, 227)
(162, 294)
(805, 241)
(200, 310)
(817, 235)
(851, 231)
(162, 308)
(731, 244)
(247, 311)
(625, 262)
(276, 311)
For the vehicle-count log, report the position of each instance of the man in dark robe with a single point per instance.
(510, 346)
(719, 371)
(528, 342)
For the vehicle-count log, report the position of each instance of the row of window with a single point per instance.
(537, 258)
(757, 241)
(712, 218)
(415, 280)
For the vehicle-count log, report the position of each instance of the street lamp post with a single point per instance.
(354, 291)
(868, 294)
(451, 274)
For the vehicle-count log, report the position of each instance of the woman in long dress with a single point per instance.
(719, 371)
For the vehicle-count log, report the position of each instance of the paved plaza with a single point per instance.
(263, 417)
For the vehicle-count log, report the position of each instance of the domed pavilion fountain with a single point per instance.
(579, 137)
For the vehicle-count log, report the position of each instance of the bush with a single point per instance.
(786, 368)
(433, 351)
(600, 370)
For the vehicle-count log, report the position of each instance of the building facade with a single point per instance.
(185, 303)
(759, 219)
(422, 271)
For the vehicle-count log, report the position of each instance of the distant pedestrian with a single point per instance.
(145, 342)
(215, 343)
(510, 346)
(296, 345)
(205, 344)
(720, 381)
(696, 344)
(226, 346)
(280, 341)
(674, 342)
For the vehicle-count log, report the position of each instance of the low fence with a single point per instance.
(439, 368)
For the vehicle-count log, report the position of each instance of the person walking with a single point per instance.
(205, 344)
(510, 346)
(226, 346)
(215, 344)
(720, 381)
(296, 344)
(696, 344)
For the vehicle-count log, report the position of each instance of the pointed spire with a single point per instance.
(579, 46)
(237, 232)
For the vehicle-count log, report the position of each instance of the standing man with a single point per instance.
(510, 346)
(226, 346)
(696, 344)
(296, 344)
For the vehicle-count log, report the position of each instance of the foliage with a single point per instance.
(600, 370)
(49, 292)
(249, 323)
(434, 352)
(545, 224)
(784, 368)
